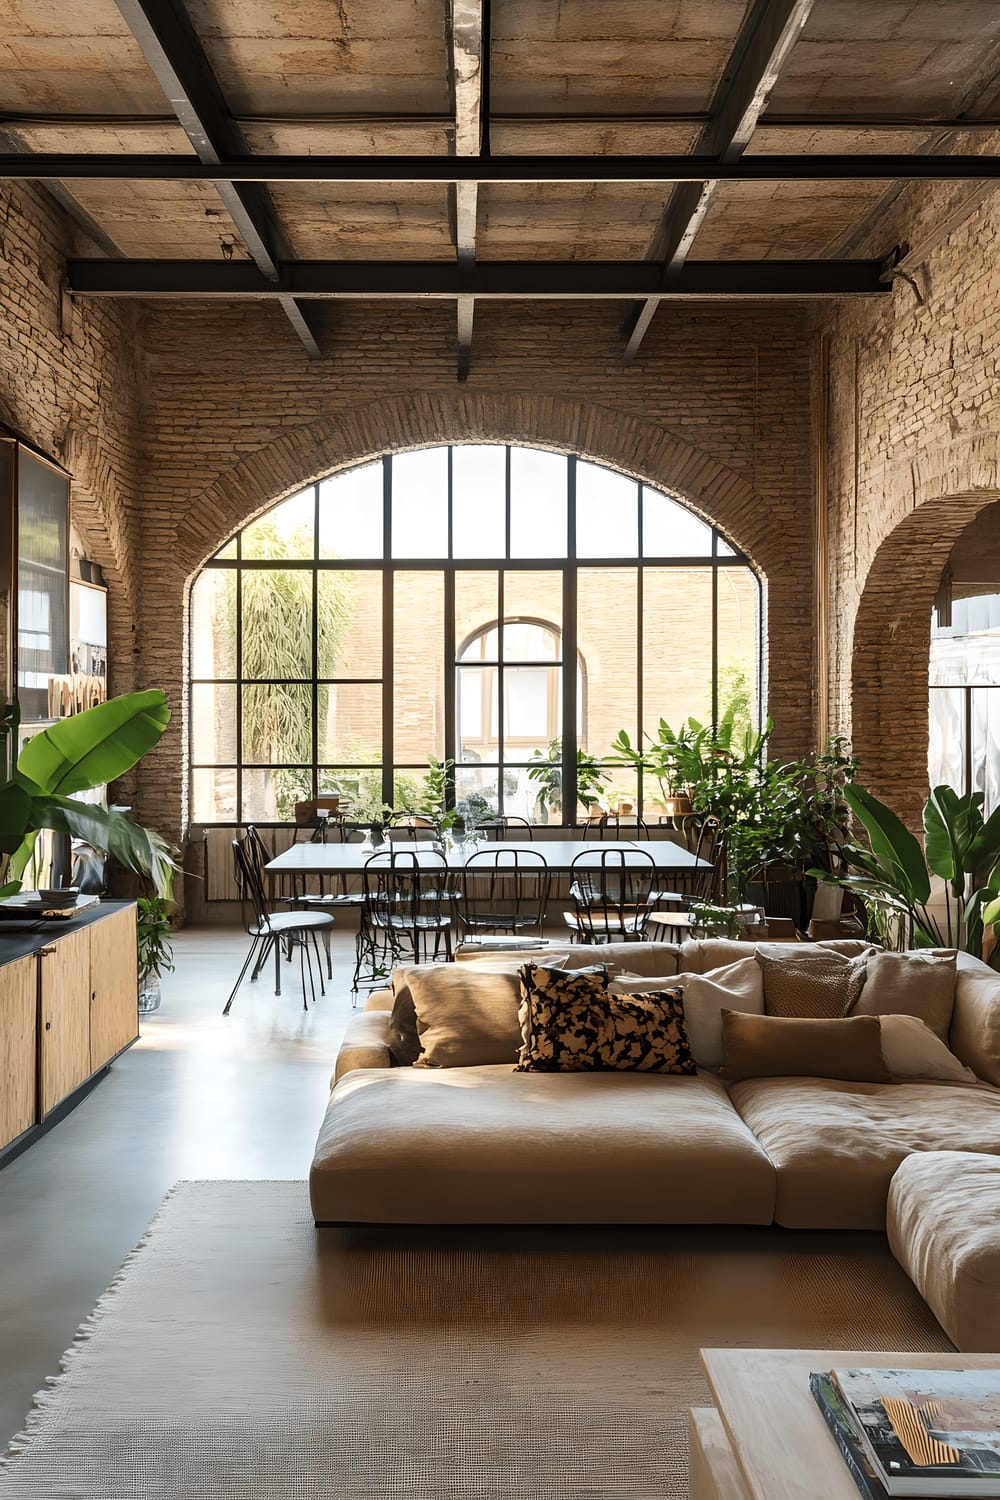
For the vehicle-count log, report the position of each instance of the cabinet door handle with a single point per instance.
(44, 952)
(48, 1026)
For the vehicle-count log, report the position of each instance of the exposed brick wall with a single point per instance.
(914, 456)
(718, 413)
(73, 393)
(182, 421)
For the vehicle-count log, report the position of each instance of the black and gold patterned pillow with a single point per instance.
(571, 1024)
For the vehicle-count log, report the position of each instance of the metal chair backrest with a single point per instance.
(612, 891)
(248, 880)
(508, 827)
(404, 889)
(616, 826)
(411, 829)
(505, 890)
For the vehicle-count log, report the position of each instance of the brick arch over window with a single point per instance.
(891, 650)
(644, 450)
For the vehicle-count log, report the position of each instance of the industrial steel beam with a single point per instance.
(173, 51)
(512, 169)
(768, 35)
(498, 280)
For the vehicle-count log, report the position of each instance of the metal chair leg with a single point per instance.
(239, 981)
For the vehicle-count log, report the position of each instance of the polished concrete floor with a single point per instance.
(198, 1096)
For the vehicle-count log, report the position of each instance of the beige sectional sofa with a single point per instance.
(487, 1144)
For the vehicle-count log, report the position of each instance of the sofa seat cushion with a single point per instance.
(835, 1145)
(487, 1145)
(943, 1223)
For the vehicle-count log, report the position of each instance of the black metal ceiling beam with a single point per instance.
(768, 35)
(468, 24)
(433, 118)
(499, 280)
(41, 166)
(173, 51)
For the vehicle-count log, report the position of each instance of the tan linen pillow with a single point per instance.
(815, 985)
(737, 986)
(404, 1039)
(909, 984)
(581, 1028)
(465, 1018)
(792, 1047)
(911, 1050)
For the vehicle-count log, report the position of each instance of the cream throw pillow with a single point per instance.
(909, 984)
(465, 1017)
(738, 986)
(911, 1050)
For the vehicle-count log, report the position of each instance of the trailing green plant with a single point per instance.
(73, 755)
(892, 876)
(545, 769)
(153, 932)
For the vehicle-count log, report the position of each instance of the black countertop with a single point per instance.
(19, 939)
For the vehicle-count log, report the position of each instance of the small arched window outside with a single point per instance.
(442, 603)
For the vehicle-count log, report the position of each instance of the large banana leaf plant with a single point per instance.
(893, 876)
(75, 755)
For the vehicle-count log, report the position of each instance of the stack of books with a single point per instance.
(923, 1433)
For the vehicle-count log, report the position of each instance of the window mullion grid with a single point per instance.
(640, 703)
(388, 662)
(314, 769)
(501, 726)
(450, 681)
(569, 652)
(715, 631)
(239, 680)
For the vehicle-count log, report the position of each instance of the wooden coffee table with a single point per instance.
(766, 1439)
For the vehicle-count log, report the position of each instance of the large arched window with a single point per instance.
(429, 605)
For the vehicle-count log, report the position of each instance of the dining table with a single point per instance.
(559, 854)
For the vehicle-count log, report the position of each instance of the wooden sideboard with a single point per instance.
(68, 1008)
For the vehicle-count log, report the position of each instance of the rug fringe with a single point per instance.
(22, 1441)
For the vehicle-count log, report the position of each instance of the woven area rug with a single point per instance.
(243, 1355)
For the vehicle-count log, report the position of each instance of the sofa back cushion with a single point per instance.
(816, 984)
(702, 954)
(787, 1046)
(908, 984)
(466, 983)
(736, 986)
(465, 1018)
(975, 1021)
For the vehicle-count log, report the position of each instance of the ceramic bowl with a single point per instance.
(65, 896)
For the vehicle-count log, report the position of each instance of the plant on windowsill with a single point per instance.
(73, 755)
(545, 768)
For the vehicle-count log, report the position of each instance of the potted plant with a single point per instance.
(545, 769)
(154, 949)
(77, 754)
(892, 876)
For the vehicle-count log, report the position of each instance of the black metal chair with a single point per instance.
(310, 892)
(671, 920)
(507, 827)
(269, 930)
(504, 891)
(407, 913)
(611, 890)
(619, 827)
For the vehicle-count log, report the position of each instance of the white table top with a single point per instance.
(559, 854)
